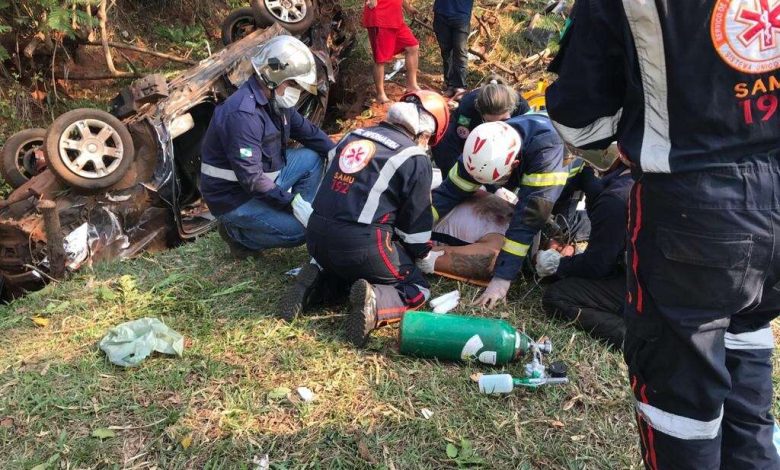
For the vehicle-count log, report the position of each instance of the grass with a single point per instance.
(218, 406)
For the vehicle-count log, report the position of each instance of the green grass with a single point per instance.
(56, 387)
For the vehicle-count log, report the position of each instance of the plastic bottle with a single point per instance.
(504, 383)
(460, 338)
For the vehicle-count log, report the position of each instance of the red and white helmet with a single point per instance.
(490, 150)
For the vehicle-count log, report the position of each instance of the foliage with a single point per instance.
(191, 37)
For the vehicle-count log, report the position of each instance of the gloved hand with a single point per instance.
(301, 209)
(495, 293)
(427, 264)
(547, 262)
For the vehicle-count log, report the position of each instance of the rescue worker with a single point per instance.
(523, 153)
(591, 286)
(372, 217)
(249, 177)
(492, 102)
(689, 92)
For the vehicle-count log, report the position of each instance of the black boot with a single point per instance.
(362, 318)
(237, 250)
(305, 291)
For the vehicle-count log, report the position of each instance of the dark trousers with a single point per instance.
(703, 285)
(349, 252)
(452, 35)
(593, 305)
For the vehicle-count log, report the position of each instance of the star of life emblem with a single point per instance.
(356, 156)
(746, 34)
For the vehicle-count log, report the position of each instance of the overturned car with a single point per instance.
(127, 181)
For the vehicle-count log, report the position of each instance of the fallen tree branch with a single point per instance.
(97, 76)
(103, 18)
(130, 47)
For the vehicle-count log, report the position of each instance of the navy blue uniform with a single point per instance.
(463, 120)
(690, 92)
(606, 199)
(372, 217)
(244, 149)
(538, 179)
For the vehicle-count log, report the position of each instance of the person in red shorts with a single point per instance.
(389, 35)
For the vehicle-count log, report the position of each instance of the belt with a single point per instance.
(228, 175)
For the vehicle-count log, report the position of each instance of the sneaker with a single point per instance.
(237, 250)
(362, 318)
(302, 294)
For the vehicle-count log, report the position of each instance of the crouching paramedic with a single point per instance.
(688, 90)
(372, 216)
(523, 153)
(249, 178)
(590, 287)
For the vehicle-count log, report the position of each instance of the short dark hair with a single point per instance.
(496, 98)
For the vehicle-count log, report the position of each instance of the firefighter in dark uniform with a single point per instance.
(590, 287)
(525, 154)
(690, 92)
(372, 217)
(492, 102)
(249, 178)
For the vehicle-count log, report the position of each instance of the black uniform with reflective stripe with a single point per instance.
(463, 120)
(392, 191)
(649, 75)
(539, 179)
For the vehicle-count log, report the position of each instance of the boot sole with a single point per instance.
(293, 302)
(358, 325)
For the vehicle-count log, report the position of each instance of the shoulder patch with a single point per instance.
(245, 152)
(356, 155)
(379, 138)
(464, 120)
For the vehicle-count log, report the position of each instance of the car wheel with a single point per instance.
(19, 156)
(89, 148)
(238, 24)
(296, 16)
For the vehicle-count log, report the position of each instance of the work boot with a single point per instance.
(237, 250)
(362, 318)
(306, 290)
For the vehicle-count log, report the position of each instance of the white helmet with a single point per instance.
(285, 58)
(490, 150)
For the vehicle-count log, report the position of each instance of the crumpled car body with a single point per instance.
(157, 204)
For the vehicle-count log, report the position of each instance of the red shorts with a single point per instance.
(387, 42)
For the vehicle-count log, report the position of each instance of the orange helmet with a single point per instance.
(436, 106)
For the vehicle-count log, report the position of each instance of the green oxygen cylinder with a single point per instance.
(461, 338)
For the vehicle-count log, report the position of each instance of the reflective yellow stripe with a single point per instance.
(545, 179)
(517, 249)
(575, 171)
(435, 214)
(458, 181)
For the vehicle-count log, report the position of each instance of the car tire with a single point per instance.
(89, 149)
(296, 16)
(238, 24)
(12, 168)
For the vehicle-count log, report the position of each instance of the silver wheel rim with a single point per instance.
(23, 153)
(288, 11)
(91, 148)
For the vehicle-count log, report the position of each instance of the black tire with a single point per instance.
(12, 167)
(238, 24)
(273, 10)
(66, 142)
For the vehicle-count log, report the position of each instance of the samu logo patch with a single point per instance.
(746, 34)
(356, 156)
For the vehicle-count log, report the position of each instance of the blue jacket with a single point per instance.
(462, 121)
(379, 177)
(539, 179)
(681, 85)
(456, 9)
(606, 200)
(244, 149)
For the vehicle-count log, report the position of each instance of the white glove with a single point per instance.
(301, 209)
(495, 293)
(428, 263)
(547, 262)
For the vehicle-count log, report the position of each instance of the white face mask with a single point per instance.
(289, 98)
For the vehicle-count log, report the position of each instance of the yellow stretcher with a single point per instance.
(535, 97)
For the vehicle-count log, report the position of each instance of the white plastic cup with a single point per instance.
(496, 383)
